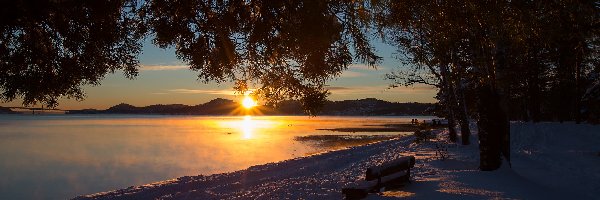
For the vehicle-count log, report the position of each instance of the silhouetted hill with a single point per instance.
(123, 108)
(219, 106)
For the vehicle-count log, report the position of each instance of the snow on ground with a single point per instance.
(550, 161)
(559, 156)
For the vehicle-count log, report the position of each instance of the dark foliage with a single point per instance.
(498, 60)
(287, 49)
(49, 49)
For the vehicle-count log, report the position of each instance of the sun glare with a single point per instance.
(248, 102)
(248, 126)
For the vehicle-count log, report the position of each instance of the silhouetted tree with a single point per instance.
(526, 58)
(288, 49)
(49, 49)
(427, 33)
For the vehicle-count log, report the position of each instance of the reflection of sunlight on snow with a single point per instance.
(455, 187)
(398, 193)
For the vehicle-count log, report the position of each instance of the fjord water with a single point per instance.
(61, 156)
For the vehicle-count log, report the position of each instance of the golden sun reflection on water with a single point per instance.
(95, 153)
(248, 126)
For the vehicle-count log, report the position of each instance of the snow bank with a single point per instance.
(550, 161)
(560, 156)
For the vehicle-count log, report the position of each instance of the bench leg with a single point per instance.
(408, 175)
(353, 193)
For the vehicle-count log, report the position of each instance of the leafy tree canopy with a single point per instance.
(49, 49)
(287, 49)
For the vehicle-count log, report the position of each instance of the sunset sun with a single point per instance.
(248, 102)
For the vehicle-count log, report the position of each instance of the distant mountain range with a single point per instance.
(219, 106)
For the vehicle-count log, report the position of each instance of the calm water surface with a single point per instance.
(61, 156)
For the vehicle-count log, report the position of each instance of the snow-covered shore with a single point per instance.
(550, 161)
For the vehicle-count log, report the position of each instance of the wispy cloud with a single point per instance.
(352, 74)
(162, 67)
(360, 70)
(364, 67)
(201, 91)
(356, 90)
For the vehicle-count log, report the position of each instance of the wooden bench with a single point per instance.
(390, 174)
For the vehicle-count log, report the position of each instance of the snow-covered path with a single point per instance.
(536, 149)
(560, 156)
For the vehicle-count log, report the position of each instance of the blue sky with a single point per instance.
(163, 79)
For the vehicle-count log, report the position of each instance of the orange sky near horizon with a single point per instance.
(165, 80)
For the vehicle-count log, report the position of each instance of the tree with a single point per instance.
(288, 49)
(510, 50)
(426, 32)
(435, 33)
(49, 49)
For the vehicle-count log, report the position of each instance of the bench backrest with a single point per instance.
(402, 163)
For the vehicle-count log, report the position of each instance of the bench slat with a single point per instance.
(362, 188)
(389, 174)
(403, 163)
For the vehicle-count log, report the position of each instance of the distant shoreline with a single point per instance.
(361, 107)
(227, 107)
(204, 115)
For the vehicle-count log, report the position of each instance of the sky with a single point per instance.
(163, 79)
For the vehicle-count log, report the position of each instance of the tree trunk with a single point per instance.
(567, 71)
(450, 104)
(534, 97)
(465, 131)
(451, 126)
(578, 90)
(451, 120)
(493, 126)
